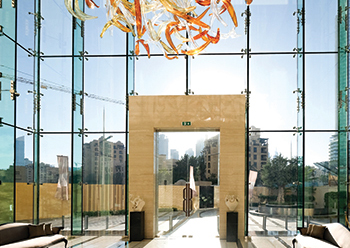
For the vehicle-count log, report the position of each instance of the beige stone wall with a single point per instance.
(224, 113)
(170, 196)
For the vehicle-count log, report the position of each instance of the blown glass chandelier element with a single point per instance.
(164, 20)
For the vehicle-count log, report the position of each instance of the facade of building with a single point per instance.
(211, 154)
(258, 150)
(174, 154)
(104, 162)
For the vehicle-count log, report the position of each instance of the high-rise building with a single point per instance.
(199, 147)
(163, 145)
(174, 154)
(189, 152)
(20, 150)
(211, 156)
(104, 162)
(258, 150)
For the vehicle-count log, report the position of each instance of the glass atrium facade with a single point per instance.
(64, 111)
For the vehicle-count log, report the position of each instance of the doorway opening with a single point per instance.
(187, 166)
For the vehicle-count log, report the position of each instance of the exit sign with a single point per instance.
(186, 123)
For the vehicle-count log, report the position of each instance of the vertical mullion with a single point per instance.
(130, 87)
(247, 125)
(342, 111)
(36, 115)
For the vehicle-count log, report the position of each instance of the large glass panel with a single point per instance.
(6, 174)
(218, 75)
(55, 180)
(343, 112)
(56, 30)
(113, 41)
(77, 123)
(160, 76)
(272, 183)
(272, 102)
(77, 185)
(187, 182)
(232, 44)
(56, 101)
(24, 176)
(273, 26)
(321, 178)
(321, 25)
(104, 183)
(7, 133)
(105, 94)
(25, 87)
(321, 110)
(25, 25)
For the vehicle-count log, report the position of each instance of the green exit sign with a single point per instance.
(186, 123)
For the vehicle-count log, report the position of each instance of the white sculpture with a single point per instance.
(136, 203)
(231, 202)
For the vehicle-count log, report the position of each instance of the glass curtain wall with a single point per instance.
(67, 131)
(67, 106)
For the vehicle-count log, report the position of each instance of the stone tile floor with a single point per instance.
(195, 232)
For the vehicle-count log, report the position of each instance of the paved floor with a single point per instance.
(198, 231)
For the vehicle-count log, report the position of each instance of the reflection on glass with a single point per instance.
(273, 32)
(272, 181)
(211, 75)
(56, 101)
(187, 161)
(105, 94)
(320, 31)
(321, 107)
(104, 182)
(24, 177)
(55, 180)
(272, 102)
(160, 76)
(321, 178)
(56, 30)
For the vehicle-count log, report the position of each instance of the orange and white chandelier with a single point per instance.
(172, 25)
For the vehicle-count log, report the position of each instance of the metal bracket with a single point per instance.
(81, 132)
(82, 30)
(300, 99)
(133, 93)
(247, 93)
(245, 51)
(340, 10)
(300, 18)
(37, 20)
(189, 92)
(246, 20)
(13, 3)
(13, 92)
(1, 29)
(341, 101)
(343, 15)
(82, 55)
(37, 100)
(74, 101)
(298, 130)
(0, 4)
(298, 51)
(35, 54)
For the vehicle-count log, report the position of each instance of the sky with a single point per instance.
(182, 141)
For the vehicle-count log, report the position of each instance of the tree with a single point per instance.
(279, 172)
(182, 168)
